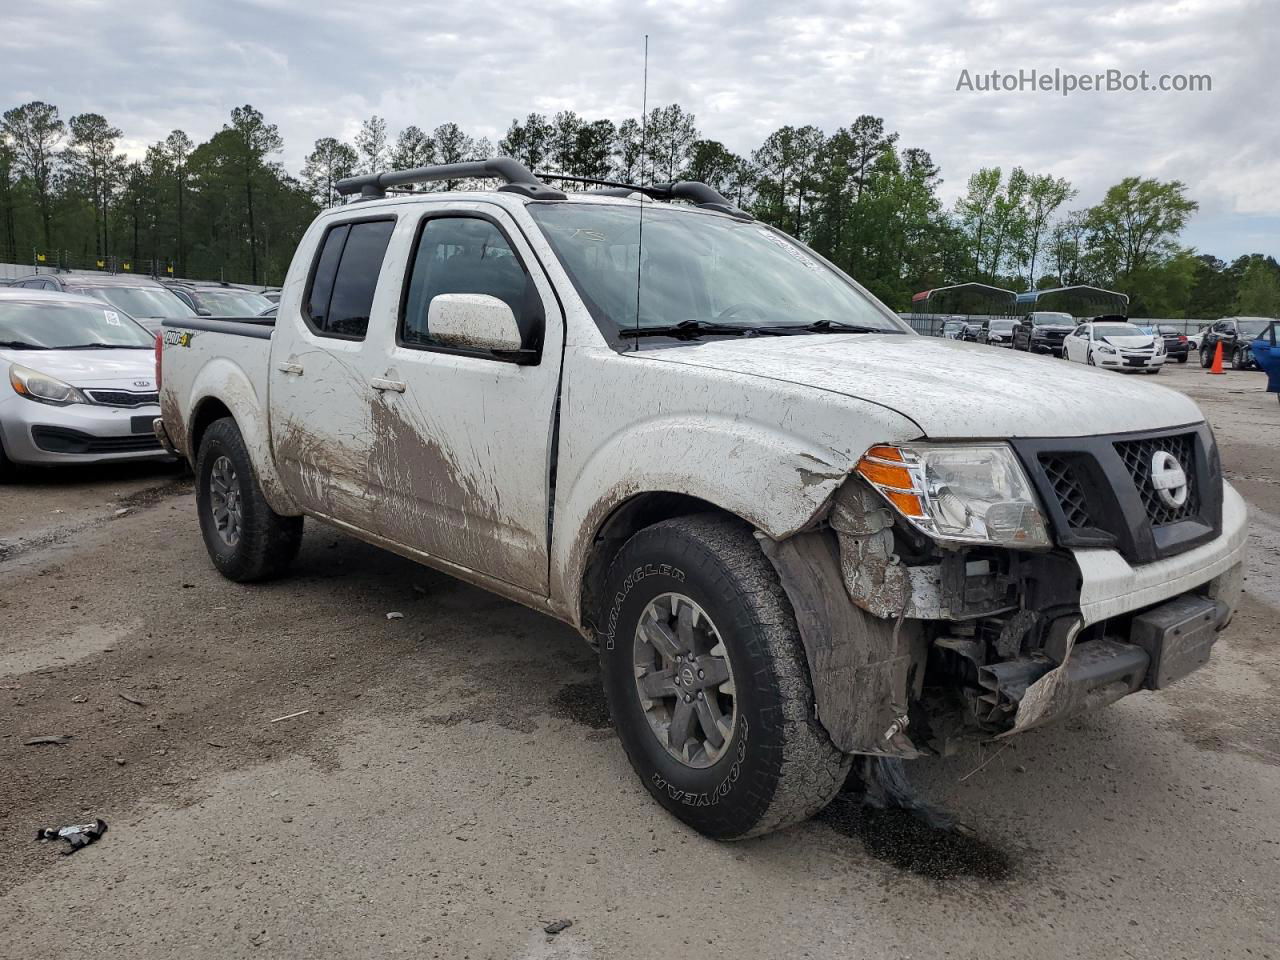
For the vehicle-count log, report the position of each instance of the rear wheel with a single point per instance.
(1182, 358)
(246, 539)
(707, 682)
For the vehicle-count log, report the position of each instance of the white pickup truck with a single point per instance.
(795, 531)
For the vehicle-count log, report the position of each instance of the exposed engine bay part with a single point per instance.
(953, 586)
(866, 671)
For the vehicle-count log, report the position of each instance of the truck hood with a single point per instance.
(951, 389)
(88, 368)
(1130, 343)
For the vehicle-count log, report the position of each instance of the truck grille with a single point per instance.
(1137, 455)
(1098, 491)
(1070, 492)
(122, 398)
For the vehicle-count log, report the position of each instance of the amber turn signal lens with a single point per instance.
(908, 503)
(885, 476)
(885, 453)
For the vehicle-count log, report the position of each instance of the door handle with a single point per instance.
(293, 368)
(395, 386)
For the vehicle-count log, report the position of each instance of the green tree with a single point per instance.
(253, 140)
(528, 142)
(669, 137)
(371, 143)
(1137, 225)
(329, 161)
(34, 132)
(1259, 294)
(1045, 195)
(89, 159)
(178, 147)
(413, 148)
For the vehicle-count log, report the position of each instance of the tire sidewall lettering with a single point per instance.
(620, 597)
(722, 789)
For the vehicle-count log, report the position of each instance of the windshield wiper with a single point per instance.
(20, 345)
(824, 326)
(106, 346)
(687, 330)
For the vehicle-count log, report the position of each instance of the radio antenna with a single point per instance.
(644, 149)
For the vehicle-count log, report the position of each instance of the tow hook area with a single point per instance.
(1165, 644)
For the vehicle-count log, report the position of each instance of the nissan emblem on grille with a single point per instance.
(1169, 479)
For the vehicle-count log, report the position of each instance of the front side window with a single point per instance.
(340, 296)
(465, 255)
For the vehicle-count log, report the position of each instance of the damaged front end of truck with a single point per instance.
(949, 592)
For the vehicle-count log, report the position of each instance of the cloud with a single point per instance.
(744, 68)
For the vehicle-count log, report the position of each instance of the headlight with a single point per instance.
(967, 494)
(1105, 348)
(43, 388)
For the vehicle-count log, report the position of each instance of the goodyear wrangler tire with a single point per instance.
(707, 683)
(246, 539)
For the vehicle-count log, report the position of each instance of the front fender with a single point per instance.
(774, 479)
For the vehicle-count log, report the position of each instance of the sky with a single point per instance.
(743, 68)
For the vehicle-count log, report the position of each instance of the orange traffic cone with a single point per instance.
(1217, 358)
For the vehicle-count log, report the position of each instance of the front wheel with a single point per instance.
(1182, 358)
(1206, 355)
(246, 539)
(1091, 361)
(707, 683)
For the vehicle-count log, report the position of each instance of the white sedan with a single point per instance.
(1115, 346)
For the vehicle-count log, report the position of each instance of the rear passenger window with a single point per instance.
(467, 255)
(345, 278)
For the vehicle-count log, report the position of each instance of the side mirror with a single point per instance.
(473, 321)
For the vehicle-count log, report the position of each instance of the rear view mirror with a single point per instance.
(473, 321)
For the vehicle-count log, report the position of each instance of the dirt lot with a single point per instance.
(454, 785)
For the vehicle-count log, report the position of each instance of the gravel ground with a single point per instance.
(454, 785)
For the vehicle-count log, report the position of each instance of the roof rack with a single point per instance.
(516, 177)
(694, 191)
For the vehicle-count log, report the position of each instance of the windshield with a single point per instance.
(1057, 319)
(1253, 328)
(53, 325)
(231, 303)
(1117, 330)
(142, 301)
(1000, 326)
(699, 267)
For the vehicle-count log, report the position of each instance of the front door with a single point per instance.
(461, 439)
(321, 358)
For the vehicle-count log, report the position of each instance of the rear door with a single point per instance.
(321, 363)
(462, 439)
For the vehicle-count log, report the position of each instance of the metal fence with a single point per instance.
(930, 325)
(125, 267)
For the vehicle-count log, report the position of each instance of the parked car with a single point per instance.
(272, 294)
(1042, 331)
(218, 299)
(1177, 345)
(1115, 346)
(954, 329)
(997, 333)
(1197, 337)
(143, 299)
(1235, 334)
(485, 382)
(79, 382)
(1266, 354)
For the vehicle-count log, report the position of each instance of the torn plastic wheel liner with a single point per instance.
(77, 835)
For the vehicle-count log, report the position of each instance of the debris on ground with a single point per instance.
(77, 835)
(395, 615)
(290, 716)
(122, 511)
(134, 700)
(41, 741)
(557, 926)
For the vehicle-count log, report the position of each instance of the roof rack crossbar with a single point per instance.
(515, 176)
(694, 191)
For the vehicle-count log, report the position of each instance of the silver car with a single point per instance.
(78, 381)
